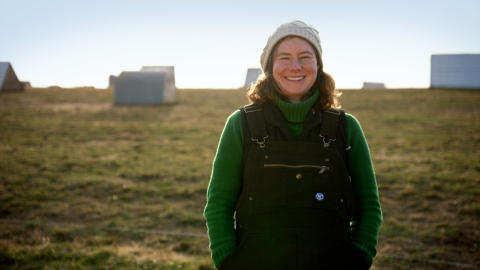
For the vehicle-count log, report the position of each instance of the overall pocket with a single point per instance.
(283, 186)
(321, 192)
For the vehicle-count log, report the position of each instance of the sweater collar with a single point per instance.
(297, 112)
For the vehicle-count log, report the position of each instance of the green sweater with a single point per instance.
(226, 183)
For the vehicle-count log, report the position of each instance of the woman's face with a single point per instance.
(295, 68)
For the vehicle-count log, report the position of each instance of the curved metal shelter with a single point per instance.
(8, 80)
(252, 76)
(455, 71)
(170, 69)
(373, 85)
(144, 88)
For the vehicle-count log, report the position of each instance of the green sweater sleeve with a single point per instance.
(226, 182)
(367, 218)
(224, 190)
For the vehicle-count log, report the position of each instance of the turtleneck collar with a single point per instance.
(297, 112)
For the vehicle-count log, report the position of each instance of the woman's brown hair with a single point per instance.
(267, 89)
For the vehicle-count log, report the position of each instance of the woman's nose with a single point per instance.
(295, 66)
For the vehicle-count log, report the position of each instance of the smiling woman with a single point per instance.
(292, 184)
(294, 68)
(297, 56)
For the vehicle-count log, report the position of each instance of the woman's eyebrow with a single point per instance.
(308, 52)
(285, 53)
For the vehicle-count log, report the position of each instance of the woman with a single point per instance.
(292, 184)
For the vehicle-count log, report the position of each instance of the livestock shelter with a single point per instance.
(455, 71)
(170, 69)
(8, 80)
(111, 81)
(373, 85)
(252, 76)
(144, 88)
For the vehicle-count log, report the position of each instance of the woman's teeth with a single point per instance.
(295, 78)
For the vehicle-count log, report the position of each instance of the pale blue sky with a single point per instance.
(212, 43)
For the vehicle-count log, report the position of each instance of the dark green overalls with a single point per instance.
(296, 203)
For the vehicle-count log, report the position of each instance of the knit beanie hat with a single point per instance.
(293, 28)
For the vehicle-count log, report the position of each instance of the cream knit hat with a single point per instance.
(293, 28)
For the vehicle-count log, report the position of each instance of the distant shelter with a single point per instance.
(461, 71)
(170, 69)
(152, 85)
(144, 88)
(373, 85)
(111, 81)
(8, 79)
(252, 76)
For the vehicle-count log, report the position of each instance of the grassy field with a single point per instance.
(70, 157)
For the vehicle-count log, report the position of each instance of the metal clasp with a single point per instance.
(323, 169)
(326, 144)
(262, 144)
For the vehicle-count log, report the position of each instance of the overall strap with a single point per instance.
(329, 127)
(256, 124)
(343, 135)
(335, 120)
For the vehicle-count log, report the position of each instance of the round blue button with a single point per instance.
(319, 196)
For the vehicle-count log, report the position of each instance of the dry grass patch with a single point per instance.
(70, 156)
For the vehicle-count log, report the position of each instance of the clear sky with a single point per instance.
(212, 43)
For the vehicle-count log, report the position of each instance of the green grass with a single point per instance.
(70, 156)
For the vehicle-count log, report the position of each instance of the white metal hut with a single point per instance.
(455, 71)
(252, 76)
(111, 81)
(373, 85)
(8, 80)
(144, 88)
(170, 69)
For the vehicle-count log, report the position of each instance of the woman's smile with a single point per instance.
(295, 78)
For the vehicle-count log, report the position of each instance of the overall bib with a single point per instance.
(296, 202)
